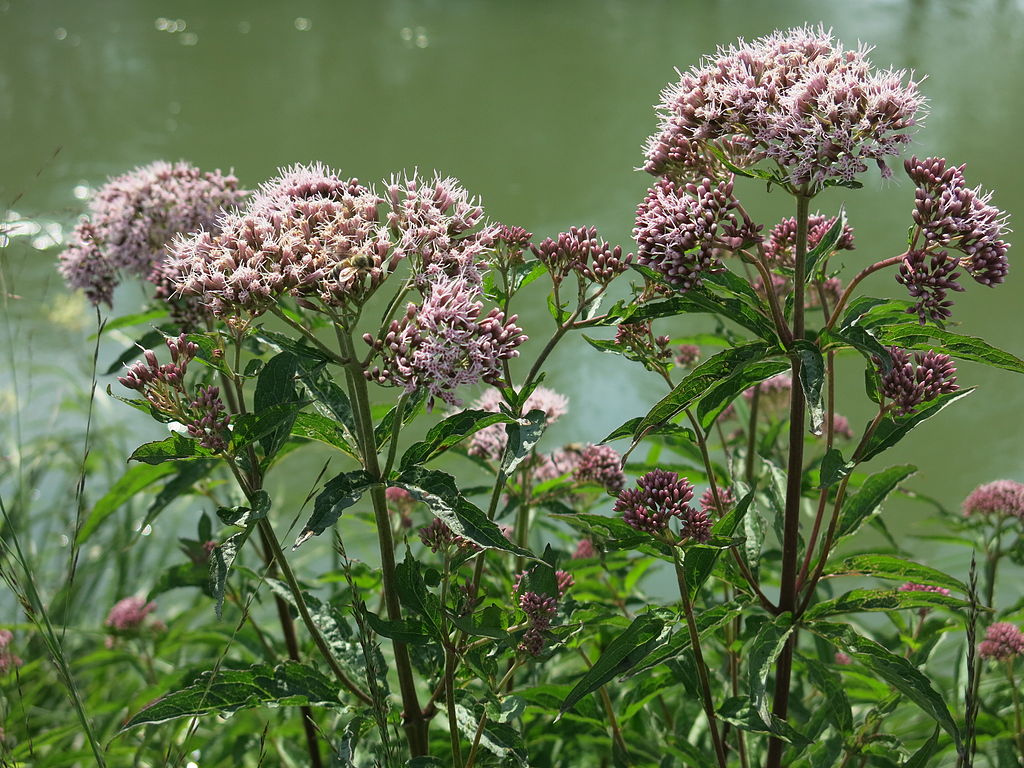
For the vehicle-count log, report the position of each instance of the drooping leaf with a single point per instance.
(628, 428)
(627, 650)
(313, 426)
(894, 568)
(716, 399)
(812, 379)
(891, 431)
(268, 423)
(135, 478)
(742, 712)
(893, 669)
(245, 516)
(522, 436)
(826, 245)
(708, 622)
(928, 337)
(761, 653)
(440, 493)
(230, 690)
(834, 468)
(416, 597)
(339, 493)
(221, 559)
(700, 301)
(448, 432)
(409, 631)
(922, 758)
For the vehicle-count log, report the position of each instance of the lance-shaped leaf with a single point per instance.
(893, 669)
(229, 690)
(414, 595)
(449, 432)
(522, 436)
(268, 423)
(276, 386)
(340, 493)
(313, 426)
(868, 501)
(742, 712)
(221, 559)
(700, 561)
(176, 446)
(135, 479)
(836, 702)
(869, 600)
(812, 379)
(834, 468)
(627, 650)
(891, 431)
(928, 337)
(328, 398)
(711, 404)
(409, 631)
(895, 569)
(629, 428)
(861, 340)
(440, 493)
(725, 364)
(761, 653)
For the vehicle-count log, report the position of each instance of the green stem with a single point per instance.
(702, 671)
(892, 261)
(609, 711)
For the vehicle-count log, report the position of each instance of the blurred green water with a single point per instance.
(539, 108)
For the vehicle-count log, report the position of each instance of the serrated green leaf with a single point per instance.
(891, 431)
(313, 426)
(626, 650)
(221, 559)
(716, 399)
(415, 596)
(895, 568)
(275, 386)
(761, 653)
(826, 245)
(812, 379)
(134, 479)
(928, 337)
(448, 432)
(440, 493)
(230, 690)
(409, 631)
(522, 437)
(699, 301)
(250, 427)
(700, 561)
(893, 669)
(629, 428)
(868, 600)
(868, 501)
(176, 446)
(339, 493)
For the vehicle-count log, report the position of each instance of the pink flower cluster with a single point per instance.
(600, 464)
(438, 537)
(780, 245)
(950, 216)
(1002, 497)
(203, 415)
(134, 217)
(129, 614)
(796, 98)
(1002, 641)
(659, 496)
(8, 660)
(539, 610)
(909, 385)
(581, 251)
(446, 342)
(725, 496)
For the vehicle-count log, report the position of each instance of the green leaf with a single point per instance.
(410, 631)
(268, 423)
(861, 340)
(700, 561)
(385, 428)
(928, 337)
(313, 426)
(896, 569)
(923, 756)
(229, 690)
(834, 468)
(870, 600)
(135, 479)
(415, 596)
(180, 575)
(448, 432)
(812, 379)
(761, 653)
(176, 446)
(829, 682)
(221, 559)
(189, 473)
(522, 436)
(127, 321)
(628, 649)
(826, 246)
(891, 431)
(727, 363)
(339, 493)
(868, 501)
(282, 341)
(500, 739)
(275, 386)
(708, 622)
(242, 516)
(629, 428)
(209, 351)
(719, 396)
(741, 712)
(893, 669)
(328, 398)
(700, 301)
(440, 493)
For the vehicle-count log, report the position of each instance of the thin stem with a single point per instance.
(1018, 716)
(856, 280)
(773, 303)
(309, 335)
(609, 710)
(794, 486)
(702, 672)
(476, 740)
(752, 436)
(415, 723)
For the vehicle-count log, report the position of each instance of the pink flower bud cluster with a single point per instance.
(950, 216)
(1002, 497)
(911, 587)
(438, 537)
(794, 97)
(687, 355)
(203, 415)
(725, 496)
(909, 385)
(550, 466)
(584, 550)
(659, 496)
(509, 244)
(1002, 641)
(134, 217)
(446, 342)
(400, 502)
(780, 245)
(681, 230)
(489, 442)
(581, 251)
(600, 464)
(129, 614)
(8, 660)
(539, 610)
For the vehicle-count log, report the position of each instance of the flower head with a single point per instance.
(584, 550)
(659, 496)
(911, 587)
(1002, 497)
(438, 537)
(489, 442)
(8, 660)
(601, 464)
(780, 245)
(128, 614)
(909, 385)
(134, 217)
(725, 495)
(687, 355)
(794, 97)
(1002, 641)
(581, 251)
